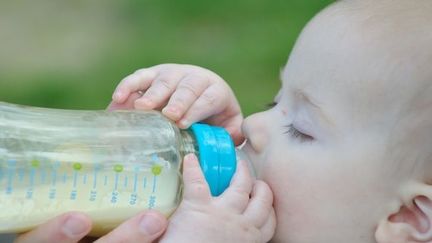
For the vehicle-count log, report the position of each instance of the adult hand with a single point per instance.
(72, 227)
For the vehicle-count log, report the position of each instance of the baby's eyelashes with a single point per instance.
(295, 133)
(271, 105)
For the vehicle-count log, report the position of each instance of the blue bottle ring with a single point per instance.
(216, 155)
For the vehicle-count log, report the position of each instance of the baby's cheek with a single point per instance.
(293, 202)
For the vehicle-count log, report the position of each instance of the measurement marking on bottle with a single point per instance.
(11, 173)
(52, 194)
(135, 182)
(73, 194)
(10, 179)
(152, 201)
(29, 193)
(32, 175)
(85, 179)
(116, 181)
(133, 199)
(93, 194)
(154, 184)
(94, 178)
(145, 182)
(53, 191)
(54, 177)
(114, 196)
(106, 180)
(64, 178)
(75, 179)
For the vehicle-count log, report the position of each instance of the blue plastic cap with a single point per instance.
(216, 155)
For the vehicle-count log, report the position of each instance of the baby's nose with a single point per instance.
(255, 130)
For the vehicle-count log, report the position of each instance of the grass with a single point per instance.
(72, 54)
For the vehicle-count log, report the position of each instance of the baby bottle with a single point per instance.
(110, 165)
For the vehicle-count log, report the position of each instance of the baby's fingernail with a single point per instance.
(74, 226)
(190, 157)
(150, 224)
(117, 95)
(171, 110)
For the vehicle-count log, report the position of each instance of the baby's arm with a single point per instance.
(242, 213)
(184, 93)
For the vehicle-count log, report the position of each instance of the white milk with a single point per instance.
(108, 195)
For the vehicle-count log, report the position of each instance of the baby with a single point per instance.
(346, 149)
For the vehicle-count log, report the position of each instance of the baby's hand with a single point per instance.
(184, 93)
(243, 213)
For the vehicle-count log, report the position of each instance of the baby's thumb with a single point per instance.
(195, 184)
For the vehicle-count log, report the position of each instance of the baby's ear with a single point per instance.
(412, 222)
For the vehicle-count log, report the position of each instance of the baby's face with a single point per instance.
(325, 148)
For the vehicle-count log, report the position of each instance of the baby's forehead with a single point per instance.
(369, 50)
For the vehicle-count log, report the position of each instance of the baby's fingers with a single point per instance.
(138, 81)
(269, 227)
(128, 104)
(236, 196)
(195, 185)
(212, 101)
(187, 92)
(160, 90)
(260, 204)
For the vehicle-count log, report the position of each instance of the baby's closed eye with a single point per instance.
(291, 129)
(295, 133)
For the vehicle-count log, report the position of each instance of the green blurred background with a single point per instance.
(71, 54)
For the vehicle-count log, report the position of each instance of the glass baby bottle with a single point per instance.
(110, 165)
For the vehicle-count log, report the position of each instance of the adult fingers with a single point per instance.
(145, 227)
(66, 228)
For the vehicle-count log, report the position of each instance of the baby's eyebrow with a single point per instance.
(302, 95)
(317, 106)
